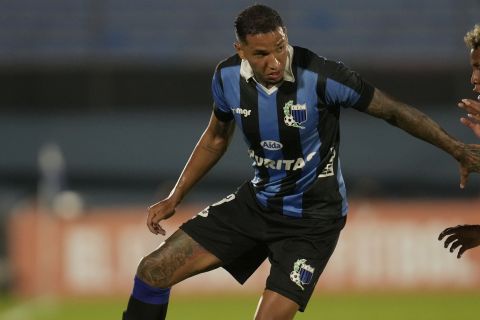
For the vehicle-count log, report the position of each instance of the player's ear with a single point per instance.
(238, 47)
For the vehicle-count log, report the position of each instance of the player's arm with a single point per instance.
(421, 126)
(209, 149)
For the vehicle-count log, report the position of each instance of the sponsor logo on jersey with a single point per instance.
(241, 111)
(295, 114)
(302, 273)
(281, 164)
(271, 145)
(328, 170)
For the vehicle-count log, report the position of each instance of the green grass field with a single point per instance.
(404, 306)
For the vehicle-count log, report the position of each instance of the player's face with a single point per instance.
(475, 63)
(267, 55)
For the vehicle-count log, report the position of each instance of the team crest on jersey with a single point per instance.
(302, 273)
(295, 114)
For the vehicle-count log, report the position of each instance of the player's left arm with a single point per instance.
(421, 126)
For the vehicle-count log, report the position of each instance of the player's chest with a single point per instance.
(284, 112)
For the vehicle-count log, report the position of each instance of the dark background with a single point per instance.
(122, 88)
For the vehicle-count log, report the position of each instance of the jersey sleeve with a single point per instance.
(346, 88)
(220, 106)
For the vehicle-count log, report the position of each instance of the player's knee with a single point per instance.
(151, 272)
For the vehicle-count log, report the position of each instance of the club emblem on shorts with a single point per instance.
(302, 273)
(295, 114)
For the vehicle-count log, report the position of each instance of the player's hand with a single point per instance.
(157, 212)
(463, 236)
(469, 159)
(472, 107)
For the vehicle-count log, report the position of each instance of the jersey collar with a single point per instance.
(247, 73)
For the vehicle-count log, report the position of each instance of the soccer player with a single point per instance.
(286, 101)
(466, 237)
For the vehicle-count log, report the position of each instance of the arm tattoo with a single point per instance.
(412, 121)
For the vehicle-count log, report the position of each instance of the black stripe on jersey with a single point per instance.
(328, 117)
(325, 191)
(328, 124)
(290, 139)
(251, 124)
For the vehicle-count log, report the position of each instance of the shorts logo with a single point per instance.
(271, 145)
(302, 273)
(295, 114)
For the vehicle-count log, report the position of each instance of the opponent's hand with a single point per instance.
(157, 212)
(469, 159)
(472, 107)
(463, 236)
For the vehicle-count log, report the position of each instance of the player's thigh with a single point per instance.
(273, 305)
(178, 258)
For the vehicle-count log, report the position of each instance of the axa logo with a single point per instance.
(241, 111)
(271, 145)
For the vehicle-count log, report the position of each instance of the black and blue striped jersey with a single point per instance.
(292, 132)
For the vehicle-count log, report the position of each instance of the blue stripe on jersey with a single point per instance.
(268, 123)
(218, 96)
(340, 94)
(231, 91)
(310, 140)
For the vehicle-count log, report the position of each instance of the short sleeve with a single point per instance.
(220, 106)
(346, 88)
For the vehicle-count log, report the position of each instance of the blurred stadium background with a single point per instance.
(102, 101)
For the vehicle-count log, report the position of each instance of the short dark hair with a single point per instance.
(257, 19)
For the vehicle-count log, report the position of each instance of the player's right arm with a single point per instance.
(472, 107)
(209, 149)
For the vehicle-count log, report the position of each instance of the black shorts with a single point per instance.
(242, 234)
